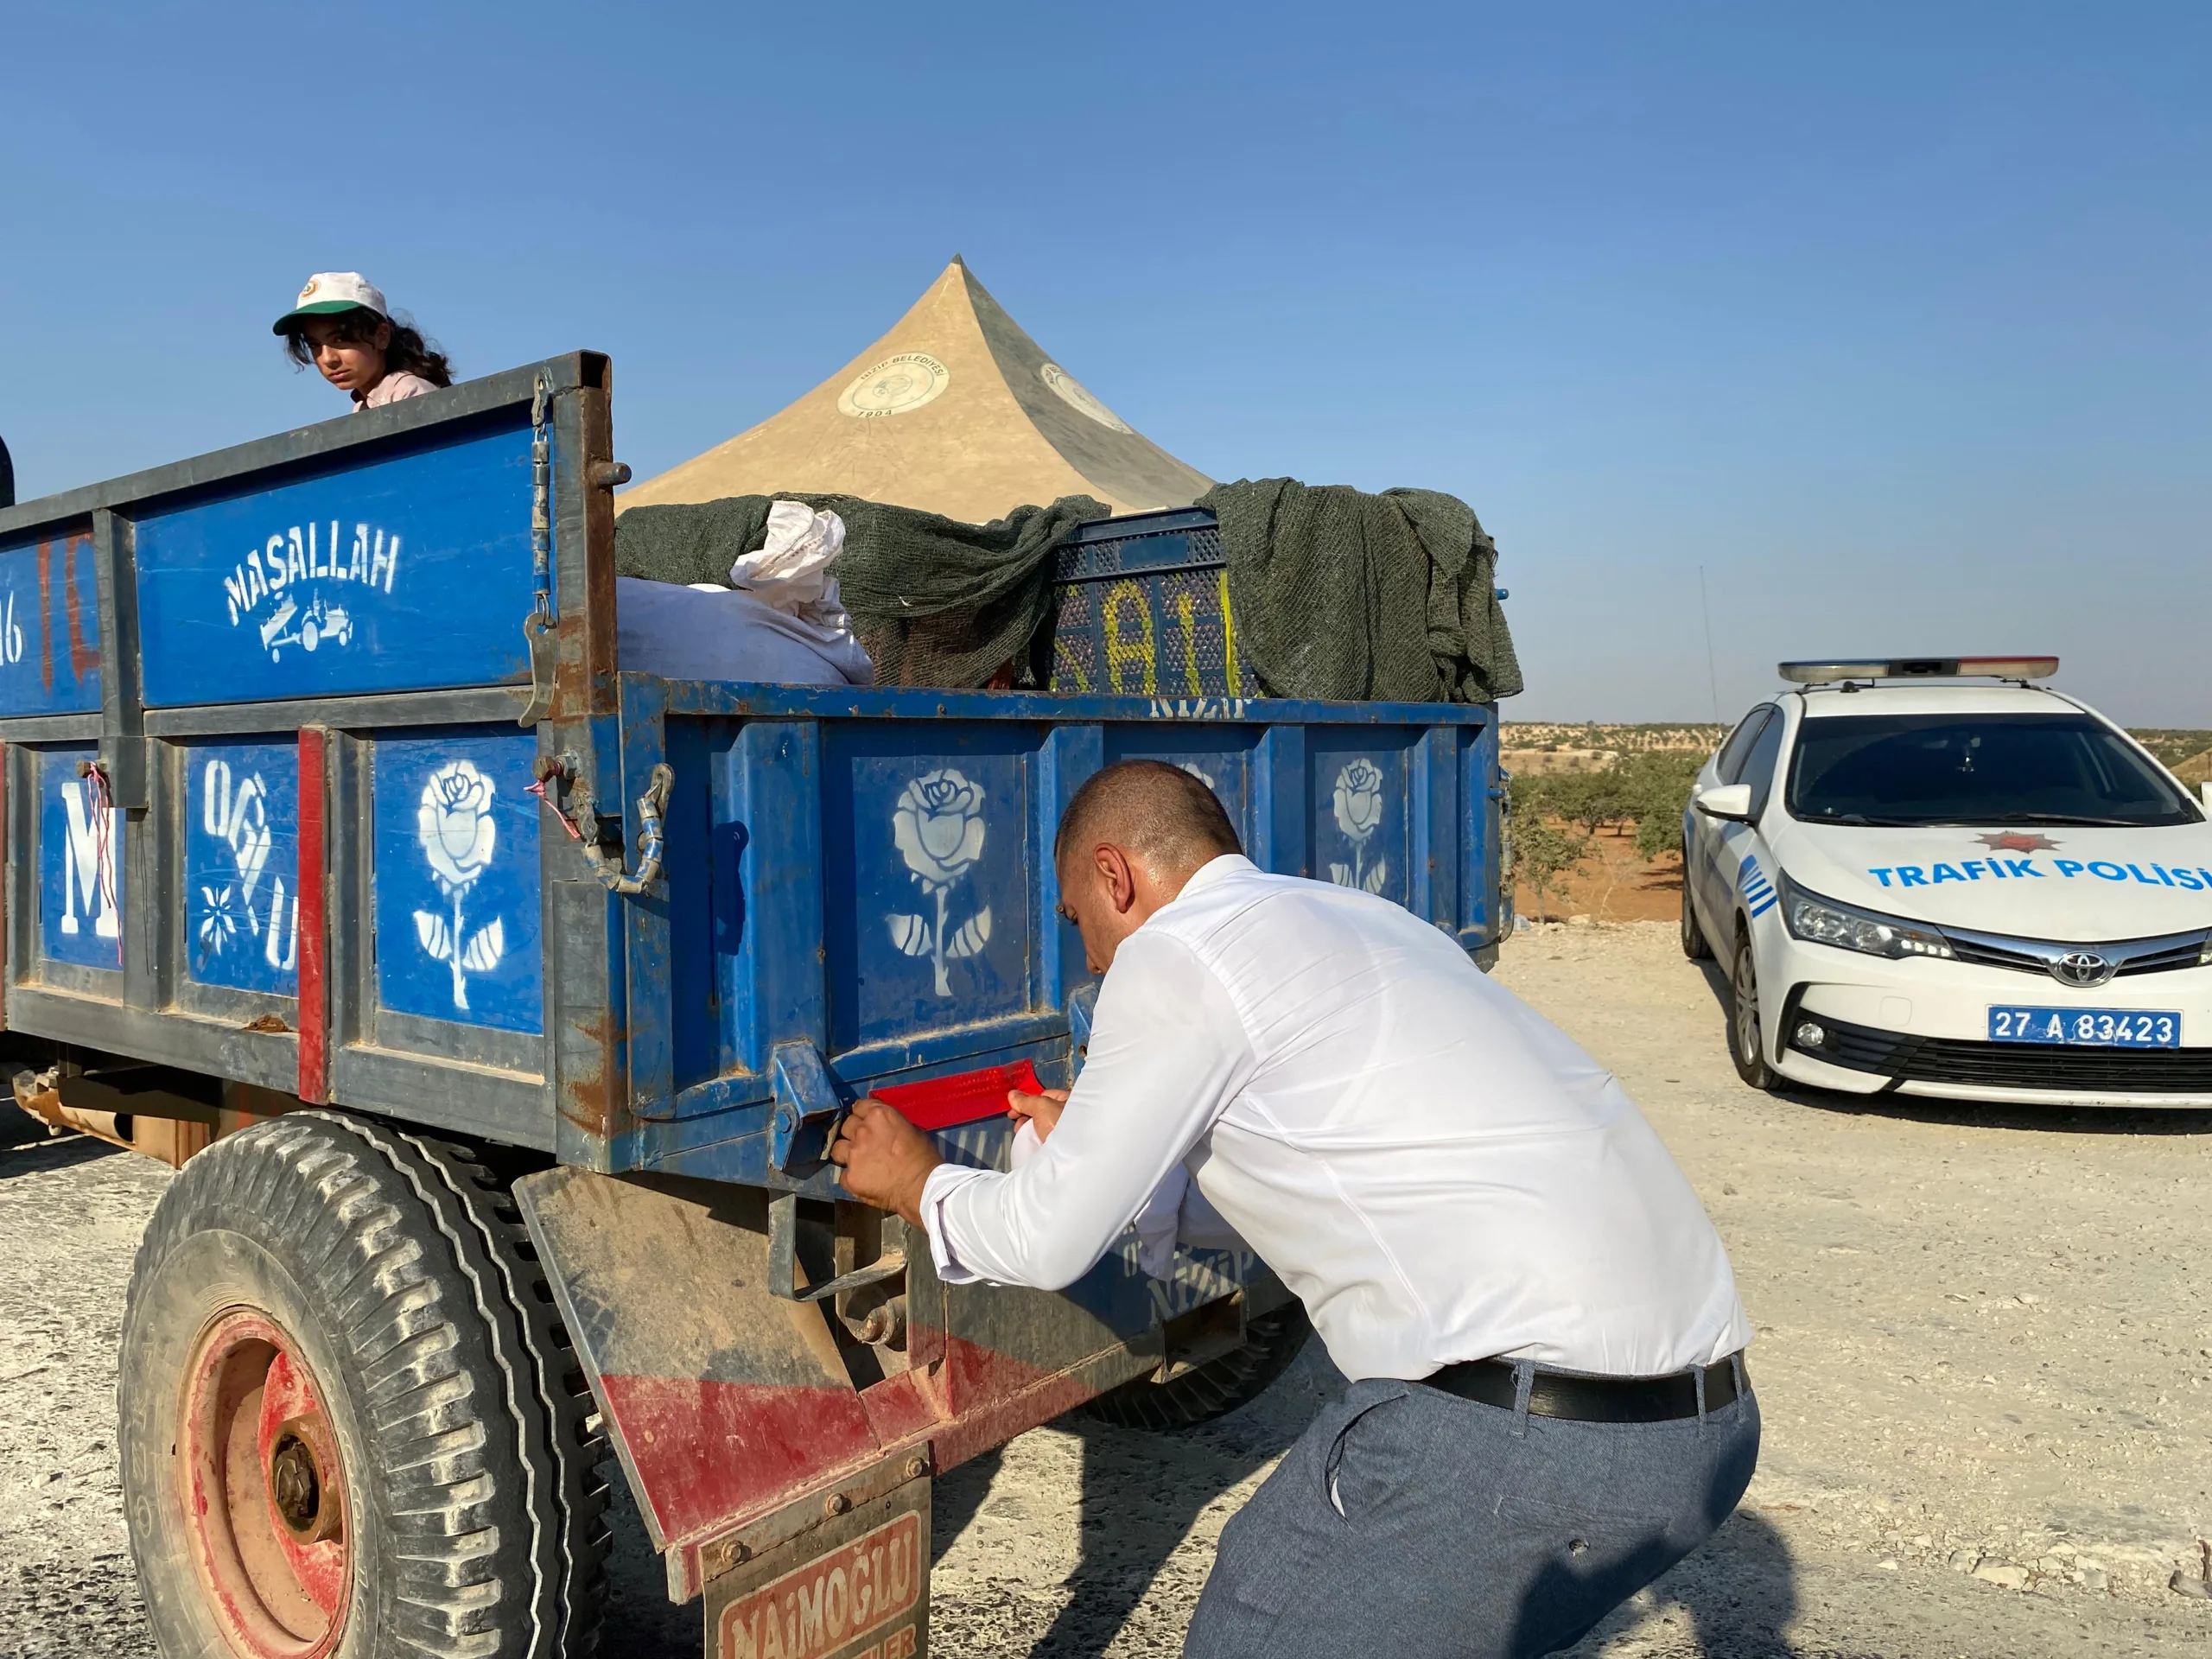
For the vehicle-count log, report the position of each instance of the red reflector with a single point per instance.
(942, 1102)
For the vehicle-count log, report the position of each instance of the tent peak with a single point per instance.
(955, 409)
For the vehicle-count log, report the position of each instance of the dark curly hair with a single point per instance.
(409, 352)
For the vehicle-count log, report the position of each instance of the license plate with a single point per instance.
(2087, 1028)
(854, 1585)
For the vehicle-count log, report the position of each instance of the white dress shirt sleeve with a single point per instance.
(1168, 1050)
(1202, 1226)
(1157, 1224)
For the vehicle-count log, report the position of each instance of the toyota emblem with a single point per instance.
(2084, 967)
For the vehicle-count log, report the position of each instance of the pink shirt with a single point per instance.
(391, 389)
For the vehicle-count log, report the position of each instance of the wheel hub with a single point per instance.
(295, 1487)
(264, 1491)
(1747, 1006)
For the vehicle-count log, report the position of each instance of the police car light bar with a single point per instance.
(1921, 668)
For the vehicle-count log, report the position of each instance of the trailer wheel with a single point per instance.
(352, 1425)
(1214, 1389)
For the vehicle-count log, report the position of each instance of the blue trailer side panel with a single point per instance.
(929, 925)
(80, 865)
(49, 627)
(406, 574)
(457, 878)
(1361, 811)
(242, 866)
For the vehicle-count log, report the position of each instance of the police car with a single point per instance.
(1937, 877)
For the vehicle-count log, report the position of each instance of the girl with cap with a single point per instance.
(342, 327)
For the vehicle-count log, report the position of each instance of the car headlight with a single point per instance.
(1823, 921)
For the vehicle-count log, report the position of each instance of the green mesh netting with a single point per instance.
(934, 601)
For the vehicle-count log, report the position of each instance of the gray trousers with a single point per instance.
(1409, 1521)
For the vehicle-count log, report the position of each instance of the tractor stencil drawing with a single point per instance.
(1358, 805)
(455, 826)
(938, 828)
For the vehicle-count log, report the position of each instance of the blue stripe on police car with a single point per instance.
(1759, 893)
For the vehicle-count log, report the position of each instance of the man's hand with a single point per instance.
(1043, 1111)
(887, 1159)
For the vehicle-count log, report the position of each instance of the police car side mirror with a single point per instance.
(1729, 801)
(2204, 794)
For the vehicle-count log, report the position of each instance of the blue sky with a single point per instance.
(1894, 319)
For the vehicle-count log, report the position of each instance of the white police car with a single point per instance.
(1935, 877)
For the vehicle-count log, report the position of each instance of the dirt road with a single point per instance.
(1984, 1356)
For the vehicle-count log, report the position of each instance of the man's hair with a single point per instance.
(1164, 815)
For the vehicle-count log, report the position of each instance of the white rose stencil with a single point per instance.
(937, 827)
(455, 826)
(1358, 805)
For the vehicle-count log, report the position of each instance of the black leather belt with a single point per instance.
(1593, 1399)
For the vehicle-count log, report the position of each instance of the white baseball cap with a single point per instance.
(333, 290)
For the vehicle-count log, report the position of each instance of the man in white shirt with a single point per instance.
(1549, 1404)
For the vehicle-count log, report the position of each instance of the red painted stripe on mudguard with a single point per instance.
(996, 1396)
(945, 1103)
(710, 1453)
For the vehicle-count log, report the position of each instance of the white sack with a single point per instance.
(706, 633)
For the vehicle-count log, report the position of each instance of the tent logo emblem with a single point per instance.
(897, 386)
(1079, 398)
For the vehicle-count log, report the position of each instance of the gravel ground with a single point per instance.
(1984, 1354)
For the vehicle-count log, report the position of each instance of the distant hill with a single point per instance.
(1587, 746)
(1611, 739)
(2173, 744)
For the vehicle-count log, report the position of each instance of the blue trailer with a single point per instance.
(519, 997)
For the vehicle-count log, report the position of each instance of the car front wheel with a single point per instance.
(1746, 1039)
(1695, 945)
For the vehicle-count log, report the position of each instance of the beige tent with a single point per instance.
(955, 410)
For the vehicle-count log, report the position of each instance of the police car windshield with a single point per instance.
(1975, 769)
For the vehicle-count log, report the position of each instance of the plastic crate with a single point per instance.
(1144, 609)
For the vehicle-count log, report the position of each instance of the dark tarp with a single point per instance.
(1346, 596)
(935, 601)
(1336, 594)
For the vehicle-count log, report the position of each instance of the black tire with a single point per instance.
(390, 1277)
(1746, 1027)
(1695, 945)
(1214, 1389)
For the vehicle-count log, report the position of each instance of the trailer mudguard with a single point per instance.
(728, 1402)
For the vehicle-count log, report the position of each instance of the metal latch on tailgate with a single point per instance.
(571, 799)
(784, 1224)
(808, 1107)
(538, 627)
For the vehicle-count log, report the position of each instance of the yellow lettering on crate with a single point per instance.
(1139, 651)
(833, 1599)
(1228, 638)
(1067, 671)
(1189, 645)
(1068, 675)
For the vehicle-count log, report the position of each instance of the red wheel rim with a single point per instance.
(264, 1490)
